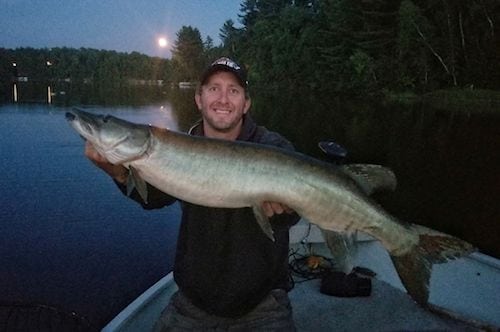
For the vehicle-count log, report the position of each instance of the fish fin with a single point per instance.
(414, 267)
(371, 178)
(263, 221)
(134, 181)
(342, 246)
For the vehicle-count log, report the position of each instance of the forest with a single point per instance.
(312, 47)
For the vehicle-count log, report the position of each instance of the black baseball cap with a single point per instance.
(226, 64)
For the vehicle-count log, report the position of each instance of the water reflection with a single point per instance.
(446, 161)
(176, 113)
(67, 233)
(70, 239)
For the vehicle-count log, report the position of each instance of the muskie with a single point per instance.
(226, 174)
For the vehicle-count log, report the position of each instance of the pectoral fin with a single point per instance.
(263, 221)
(134, 181)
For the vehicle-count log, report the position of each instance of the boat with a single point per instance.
(464, 294)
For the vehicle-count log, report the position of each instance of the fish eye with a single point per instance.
(106, 118)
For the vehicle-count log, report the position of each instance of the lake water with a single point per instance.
(69, 238)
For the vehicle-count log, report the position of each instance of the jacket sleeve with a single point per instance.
(156, 198)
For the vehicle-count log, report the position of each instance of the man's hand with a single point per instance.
(117, 172)
(272, 208)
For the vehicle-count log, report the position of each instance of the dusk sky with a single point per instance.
(120, 25)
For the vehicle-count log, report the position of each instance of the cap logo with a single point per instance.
(227, 62)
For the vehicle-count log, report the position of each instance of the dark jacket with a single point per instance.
(224, 262)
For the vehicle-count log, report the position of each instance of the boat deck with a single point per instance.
(467, 288)
(386, 309)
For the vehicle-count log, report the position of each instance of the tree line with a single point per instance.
(369, 45)
(316, 47)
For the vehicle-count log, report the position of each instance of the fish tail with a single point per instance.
(415, 266)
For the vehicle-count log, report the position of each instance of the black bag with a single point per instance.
(345, 285)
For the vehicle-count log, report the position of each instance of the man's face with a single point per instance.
(222, 104)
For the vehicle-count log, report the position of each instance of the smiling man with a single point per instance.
(230, 274)
(223, 100)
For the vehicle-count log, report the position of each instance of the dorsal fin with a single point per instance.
(371, 178)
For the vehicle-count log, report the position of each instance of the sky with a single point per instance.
(120, 25)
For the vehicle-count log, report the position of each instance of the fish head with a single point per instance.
(116, 139)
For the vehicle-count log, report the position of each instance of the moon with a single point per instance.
(162, 42)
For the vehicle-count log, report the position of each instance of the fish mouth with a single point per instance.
(86, 126)
(75, 115)
(80, 122)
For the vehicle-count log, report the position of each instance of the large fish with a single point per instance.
(226, 174)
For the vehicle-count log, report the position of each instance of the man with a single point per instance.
(230, 274)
